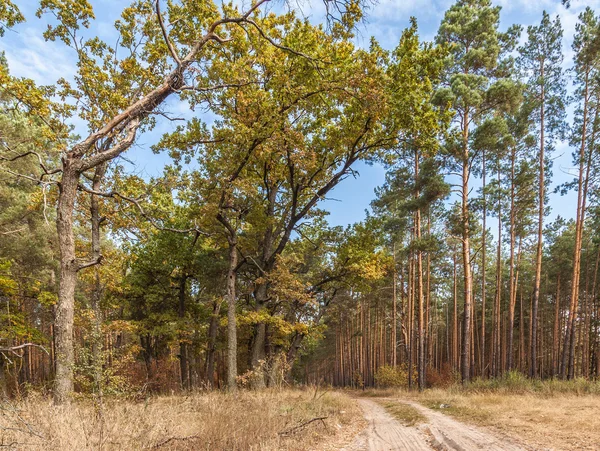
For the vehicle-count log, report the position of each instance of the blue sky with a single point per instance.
(30, 56)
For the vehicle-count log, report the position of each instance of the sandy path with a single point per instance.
(440, 432)
(386, 433)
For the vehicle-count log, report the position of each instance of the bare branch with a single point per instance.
(166, 116)
(114, 194)
(13, 349)
(94, 262)
(215, 37)
(217, 87)
(10, 232)
(276, 44)
(31, 152)
(302, 426)
(166, 35)
(115, 150)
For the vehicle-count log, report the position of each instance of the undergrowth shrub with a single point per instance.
(389, 377)
(445, 377)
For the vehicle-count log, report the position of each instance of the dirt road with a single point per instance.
(437, 432)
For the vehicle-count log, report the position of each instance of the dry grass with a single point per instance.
(407, 415)
(266, 420)
(560, 421)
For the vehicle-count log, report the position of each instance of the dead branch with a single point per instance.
(13, 349)
(174, 439)
(26, 154)
(10, 232)
(7, 409)
(298, 428)
(94, 262)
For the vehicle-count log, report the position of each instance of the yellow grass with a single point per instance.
(562, 421)
(265, 420)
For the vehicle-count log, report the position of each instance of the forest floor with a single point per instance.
(455, 420)
(311, 419)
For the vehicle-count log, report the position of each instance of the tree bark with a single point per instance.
(540, 236)
(420, 306)
(183, 348)
(568, 359)
(231, 319)
(97, 291)
(213, 328)
(64, 313)
(512, 302)
(466, 255)
(482, 361)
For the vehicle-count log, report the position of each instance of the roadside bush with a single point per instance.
(443, 378)
(389, 377)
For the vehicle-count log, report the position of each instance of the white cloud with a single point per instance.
(30, 56)
(526, 6)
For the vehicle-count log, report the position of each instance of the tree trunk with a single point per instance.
(183, 358)
(584, 172)
(420, 319)
(482, 362)
(455, 359)
(512, 302)
(540, 236)
(556, 331)
(97, 291)
(213, 328)
(231, 320)
(394, 310)
(466, 255)
(64, 312)
(257, 358)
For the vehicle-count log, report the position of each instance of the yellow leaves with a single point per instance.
(8, 287)
(70, 14)
(46, 298)
(10, 15)
(36, 100)
(372, 267)
(285, 284)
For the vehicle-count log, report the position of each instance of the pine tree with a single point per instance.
(586, 46)
(541, 60)
(470, 28)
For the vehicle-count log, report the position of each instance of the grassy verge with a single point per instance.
(265, 420)
(405, 414)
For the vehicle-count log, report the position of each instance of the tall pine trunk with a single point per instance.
(540, 236)
(466, 255)
(512, 302)
(482, 361)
